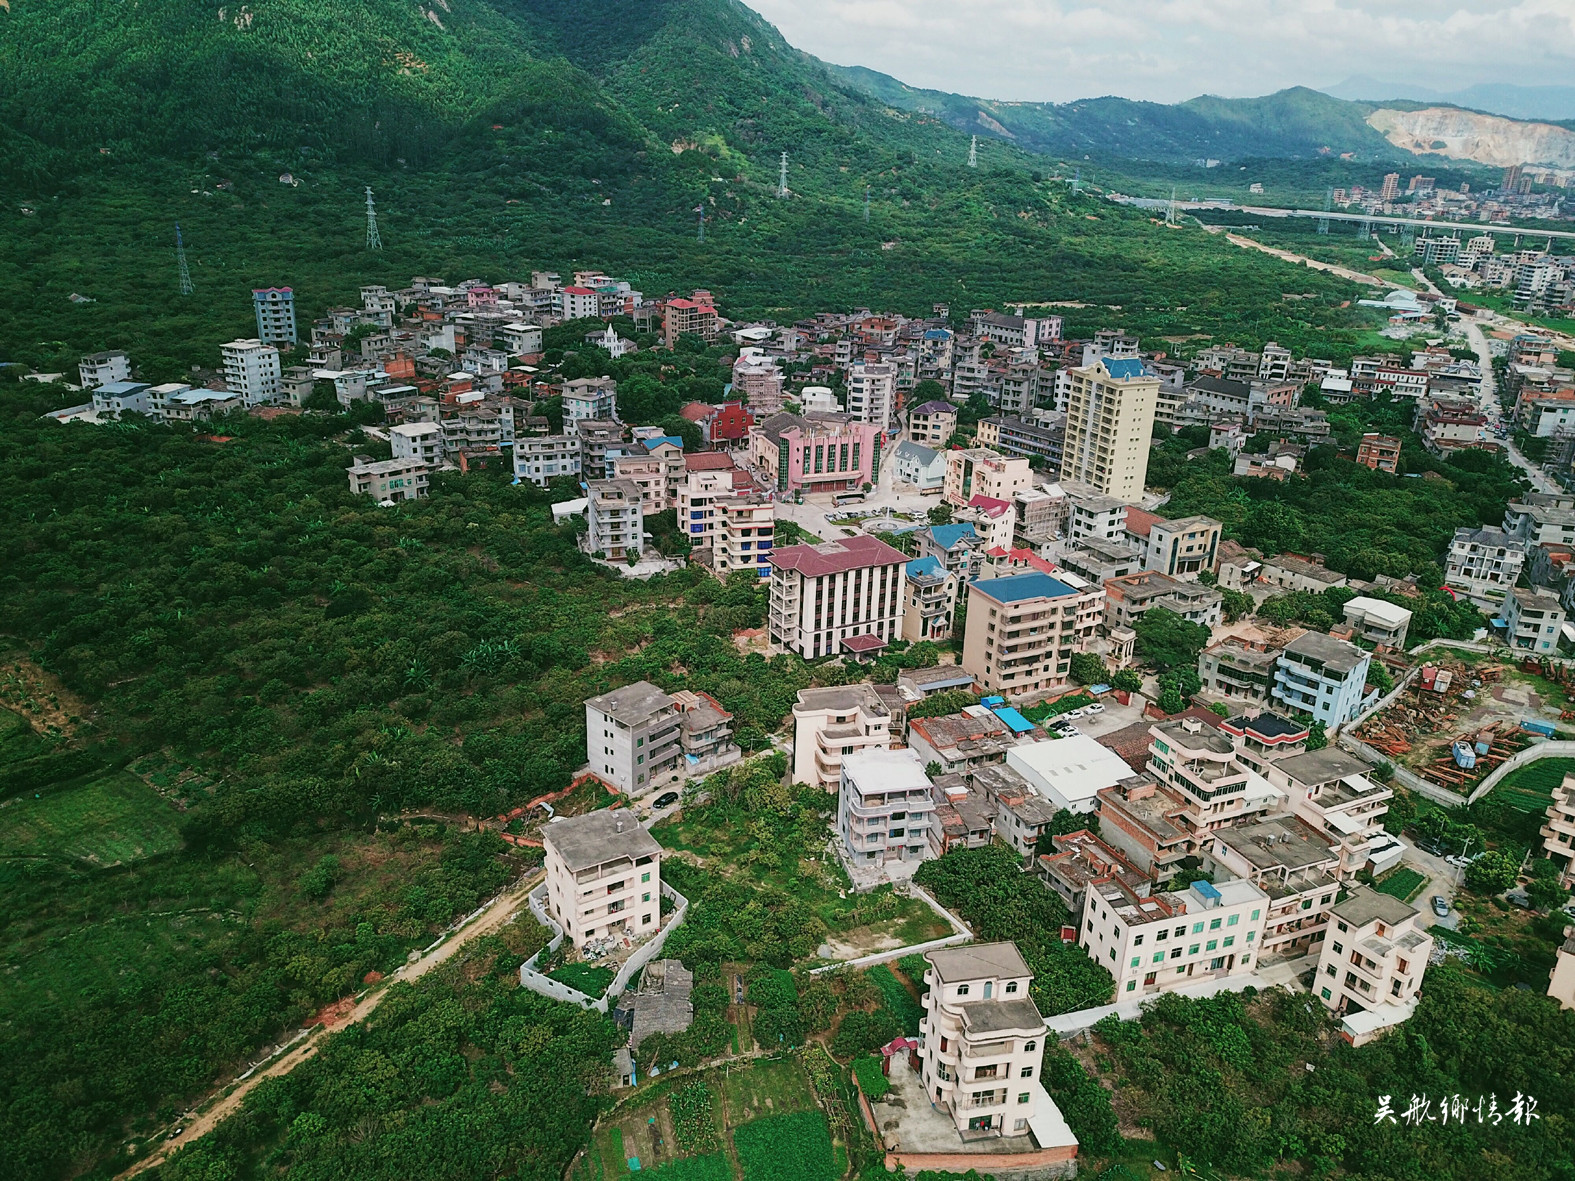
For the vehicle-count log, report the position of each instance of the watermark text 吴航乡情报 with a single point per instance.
(1457, 1109)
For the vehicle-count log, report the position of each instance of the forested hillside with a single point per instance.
(500, 136)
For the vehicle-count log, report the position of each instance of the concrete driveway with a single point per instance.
(1443, 879)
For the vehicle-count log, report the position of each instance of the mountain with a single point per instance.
(1297, 123)
(1539, 103)
(1467, 135)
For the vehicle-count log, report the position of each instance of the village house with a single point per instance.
(1374, 957)
(604, 877)
(833, 722)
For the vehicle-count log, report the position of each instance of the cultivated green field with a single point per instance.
(1530, 788)
(109, 821)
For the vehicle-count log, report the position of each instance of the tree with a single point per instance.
(1545, 893)
(941, 514)
(1127, 680)
(1088, 669)
(1317, 736)
(1166, 641)
(928, 390)
(1063, 822)
(1491, 873)
(1236, 605)
(933, 769)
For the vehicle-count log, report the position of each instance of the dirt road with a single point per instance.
(1333, 269)
(228, 1098)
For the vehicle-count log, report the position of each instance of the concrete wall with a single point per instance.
(541, 983)
(1554, 748)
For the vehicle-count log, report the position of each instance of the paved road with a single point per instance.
(1443, 879)
(1333, 269)
(1540, 481)
(227, 1099)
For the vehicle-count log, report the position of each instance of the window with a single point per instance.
(1338, 948)
(1027, 1072)
(1193, 950)
(1136, 960)
(1159, 957)
(646, 921)
(1233, 920)
(1028, 1046)
(639, 742)
(1011, 987)
(1329, 971)
(646, 897)
(1229, 939)
(1251, 935)
(1023, 1097)
(1131, 984)
(1212, 944)
(962, 990)
(1196, 928)
(645, 877)
(1215, 925)
(1162, 936)
(640, 761)
(1137, 941)
(1175, 953)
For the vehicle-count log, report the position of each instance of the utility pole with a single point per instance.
(973, 153)
(374, 240)
(782, 189)
(180, 261)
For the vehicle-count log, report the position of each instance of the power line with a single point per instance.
(180, 261)
(374, 240)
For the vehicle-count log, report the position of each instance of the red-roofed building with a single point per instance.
(823, 595)
(999, 561)
(579, 303)
(724, 426)
(991, 518)
(707, 461)
(681, 316)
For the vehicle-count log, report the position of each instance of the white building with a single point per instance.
(542, 458)
(831, 723)
(884, 808)
(389, 481)
(604, 877)
(836, 597)
(1533, 619)
(590, 398)
(1070, 772)
(417, 440)
(1322, 676)
(251, 370)
(1378, 621)
(981, 1042)
(632, 739)
(114, 398)
(1484, 562)
(745, 535)
(872, 392)
(98, 369)
(1160, 942)
(1373, 960)
(1109, 427)
(616, 518)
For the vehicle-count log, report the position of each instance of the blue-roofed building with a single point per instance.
(929, 600)
(1109, 426)
(957, 547)
(1023, 629)
(1015, 722)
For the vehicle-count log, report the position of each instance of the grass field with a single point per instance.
(110, 821)
(897, 998)
(794, 1147)
(590, 979)
(1402, 884)
(17, 740)
(1530, 788)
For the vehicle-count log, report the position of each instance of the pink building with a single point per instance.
(815, 452)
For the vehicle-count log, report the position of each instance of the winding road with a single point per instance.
(1540, 481)
(227, 1099)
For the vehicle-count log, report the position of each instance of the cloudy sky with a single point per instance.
(1167, 50)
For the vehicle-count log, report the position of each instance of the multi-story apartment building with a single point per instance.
(1199, 765)
(694, 317)
(1558, 831)
(389, 481)
(1132, 596)
(872, 392)
(1322, 676)
(706, 485)
(1535, 523)
(98, 369)
(275, 309)
(929, 601)
(932, 423)
(578, 303)
(616, 518)
(1033, 433)
(957, 547)
(979, 472)
(884, 808)
(816, 452)
(633, 739)
(833, 722)
(1180, 549)
(417, 440)
(1374, 956)
(745, 534)
(963, 742)
(1296, 866)
(542, 458)
(1144, 823)
(251, 370)
(981, 1040)
(590, 398)
(824, 596)
(1379, 452)
(1533, 619)
(1109, 427)
(1158, 942)
(604, 877)
(705, 734)
(600, 439)
(758, 380)
(115, 398)
(1022, 630)
(1378, 621)
(1330, 790)
(1235, 669)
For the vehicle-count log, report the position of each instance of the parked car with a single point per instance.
(1440, 907)
(666, 799)
(1096, 708)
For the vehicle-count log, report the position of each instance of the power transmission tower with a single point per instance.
(973, 153)
(180, 261)
(1407, 238)
(1077, 180)
(782, 189)
(374, 240)
(1170, 210)
(866, 204)
(1365, 230)
(1328, 204)
(700, 209)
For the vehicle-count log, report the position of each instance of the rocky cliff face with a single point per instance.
(1487, 139)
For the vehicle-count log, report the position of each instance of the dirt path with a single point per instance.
(1332, 268)
(228, 1098)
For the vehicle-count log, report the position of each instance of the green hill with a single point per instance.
(1297, 123)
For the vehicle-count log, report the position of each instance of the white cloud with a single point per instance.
(1168, 50)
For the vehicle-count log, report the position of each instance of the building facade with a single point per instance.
(633, 739)
(824, 595)
(831, 723)
(251, 370)
(617, 519)
(1022, 630)
(884, 808)
(1322, 676)
(275, 310)
(604, 877)
(1109, 427)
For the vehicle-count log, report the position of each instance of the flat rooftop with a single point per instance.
(1364, 906)
(599, 837)
(1284, 843)
(633, 705)
(978, 961)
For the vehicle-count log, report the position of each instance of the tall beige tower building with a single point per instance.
(1109, 426)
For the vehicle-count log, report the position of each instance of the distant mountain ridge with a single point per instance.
(1547, 104)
